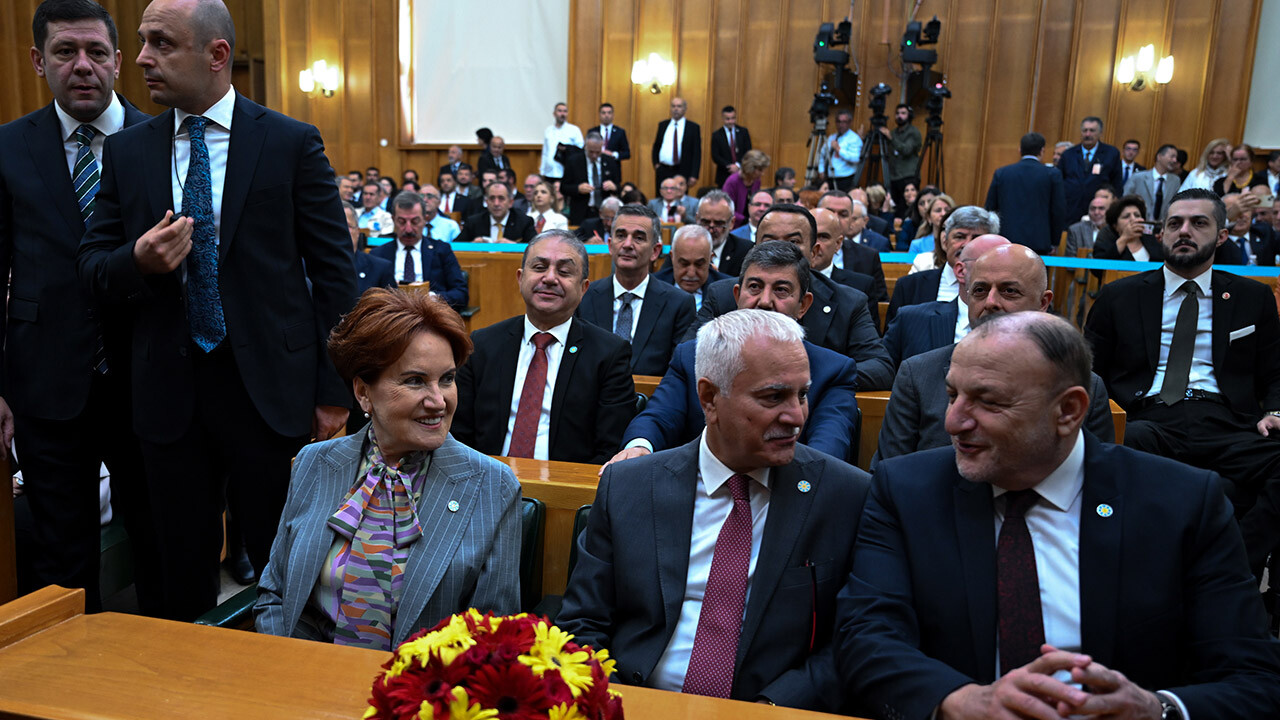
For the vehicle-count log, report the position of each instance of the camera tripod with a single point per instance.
(932, 161)
(874, 151)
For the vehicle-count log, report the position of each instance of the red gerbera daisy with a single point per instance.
(513, 690)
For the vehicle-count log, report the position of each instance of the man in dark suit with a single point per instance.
(1030, 199)
(596, 229)
(65, 364)
(1085, 233)
(1256, 242)
(589, 177)
(1006, 279)
(1088, 166)
(615, 138)
(728, 145)
(715, 213)
(674, 539)
(839, 321)
(497, 222)
(370, 271)
(545, 384)
(854, 255)
(1129, 165)
(830, 241)
(690, 267)
(776, 277)
(943, 284)
(453, 200)
(1031, 548)
(455, 161)
(1193, 356)
(652, 316)
(677, 149)
(494, 159)
(879, 227)
(417, 257)
(231, 303)
(757, 204)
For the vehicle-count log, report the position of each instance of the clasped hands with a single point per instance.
(1031, 691)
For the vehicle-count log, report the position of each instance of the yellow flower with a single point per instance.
(448, 642)
(369, 713)
(460, 708)
(548, 653)
(607, 663)
(565, 711)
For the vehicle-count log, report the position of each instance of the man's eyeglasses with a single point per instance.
(705, 222)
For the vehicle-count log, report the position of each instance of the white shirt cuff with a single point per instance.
(640, 443)
(1176, 701)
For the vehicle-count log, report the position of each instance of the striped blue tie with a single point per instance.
(204, 301)
(85, 177)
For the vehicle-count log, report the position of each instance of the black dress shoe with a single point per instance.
(240, 568)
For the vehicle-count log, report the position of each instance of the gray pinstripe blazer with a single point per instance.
(468, 558)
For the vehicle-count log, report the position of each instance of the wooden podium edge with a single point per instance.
(38, 611)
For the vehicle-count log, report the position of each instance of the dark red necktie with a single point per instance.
(715, 645)
(1018, 585)
(525, 433)
(542, 222)
(446, 204)
(672, 213)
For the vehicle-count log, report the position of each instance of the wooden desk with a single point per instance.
(564, 487)
(646, 383)
(69, 666)
(872, 405)
(8, 544)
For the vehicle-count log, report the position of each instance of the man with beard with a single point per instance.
(905, 144)
(1193, 356)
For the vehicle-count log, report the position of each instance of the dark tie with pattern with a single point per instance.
(1178, 368)
(622, 326)
(204, 300)
(1158, 206)
(1018, 596)
(410, 269)
(524, 435)
(85, 176)
(715, 644)
(595, 182)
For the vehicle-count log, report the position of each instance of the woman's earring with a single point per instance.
(366, 416)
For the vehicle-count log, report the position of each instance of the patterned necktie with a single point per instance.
(204, 301)
(1018, 596)
(446, 203)
(524, 435)
(85, 177)
(1177, 370)
(542, 222)
(622, 326)
(595, 182)
(715, 644)
(410, 271)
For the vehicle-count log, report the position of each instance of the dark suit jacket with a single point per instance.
(281, 226)
(448, 168)
(860, 258)
(1262, 243)
(617, 142)
(1031, 203)
(439, 267)
(876, 241)
(914, 289)
(837, 320)
(519, 227)
(575, 173)
(488, 162)
(879, 225)
(593, 400)
(720, 150)
(591, 227)
(665, 316)
(668, 276)
(1078, 181)
(921, 328)
(914, 419)
(626, 591)
(860, 282)
(372, 271)
(1124, 329)
(690, 148)
(1105, 248)
(735, 250)
(1166, 596)
(49, 335)
(674, 416)
(461, 204)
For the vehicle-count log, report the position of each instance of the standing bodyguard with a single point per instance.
(64, 396)
(230, 303)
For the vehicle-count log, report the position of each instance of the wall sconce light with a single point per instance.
(320, 74)
(654, 72)
(1136, 72)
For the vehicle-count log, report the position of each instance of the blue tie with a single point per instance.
(204, 302)
(85, 176)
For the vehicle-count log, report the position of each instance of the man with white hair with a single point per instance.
(940, 284)
(712, 568)
(690, 268)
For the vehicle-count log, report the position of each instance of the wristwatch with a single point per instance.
(1169, 710)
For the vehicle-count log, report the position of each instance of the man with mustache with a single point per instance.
(546, 384)
(690, 268)
(416, 255)
(652, 316)
(63, 392)
(1193, 356)
(712, 568)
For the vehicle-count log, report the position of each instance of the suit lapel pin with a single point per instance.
(804, 486)
(1105, 510)
(573, 349)
(453, 506)
(826, 308)
(1226, 296)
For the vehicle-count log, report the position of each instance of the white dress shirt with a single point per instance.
(606, 132)
(837, 260)
(416, 252)
(712, 503)
(1247, 250)
(962, 320)
(443, 228)
(948, 285)
(636, 304)
(449, 202)
(494, 231)
(1201, 375)
(1272, 180)
(555, 221)
(846, 163)
(217, 137)
(569, 134)
(109, 122)
(555, 351)
(666, 156)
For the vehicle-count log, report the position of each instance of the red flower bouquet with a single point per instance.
(481, 667)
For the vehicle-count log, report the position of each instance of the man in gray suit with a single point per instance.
(1084, 233)
(713, 568)
(1007, 279)
(1157, 186)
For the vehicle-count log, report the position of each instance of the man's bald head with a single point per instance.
(211, 21)
(972, 250)
(1007, 279)
(830, 237)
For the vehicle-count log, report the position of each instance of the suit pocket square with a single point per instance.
(1242, 332)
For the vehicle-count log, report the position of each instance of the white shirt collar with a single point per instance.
(220, 113)
(559, 332)
(714, 473)
(1173, 281)
(503, 221)
(949, 276)
(109, 122)
(857, 239)
(827, 270)
(1062, 485)
(638, 292)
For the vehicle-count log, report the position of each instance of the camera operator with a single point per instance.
(845, 152)
(904, 142)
